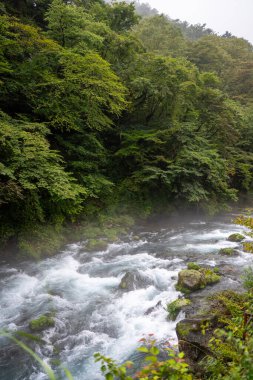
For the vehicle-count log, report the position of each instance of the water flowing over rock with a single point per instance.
(92, 313)
(134, 280)
(237, 238)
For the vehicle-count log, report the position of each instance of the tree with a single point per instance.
(72, 27)
(160, 36)
(34, 186)
(122, 16)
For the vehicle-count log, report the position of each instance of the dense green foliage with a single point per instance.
(102, 109)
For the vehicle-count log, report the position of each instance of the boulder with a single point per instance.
(190, 280)
(228, 252)
(134, 280)
(213, 313)
(194, 335)
(236, 238)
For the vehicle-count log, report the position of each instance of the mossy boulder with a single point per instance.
(190, 280)
(236, 238)
(194, 335)
(96, 245)
(228, 251)
(42, 323)
(176, 306)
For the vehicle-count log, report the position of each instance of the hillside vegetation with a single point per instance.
(103, 110)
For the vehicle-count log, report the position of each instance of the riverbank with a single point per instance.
(98, 231)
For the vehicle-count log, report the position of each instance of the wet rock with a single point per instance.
(194, 335)
(237, 238)
(213, 312)
(153, 308)
(190, 279)
(176, 306)
(230, 271)
(228, 252)
(134, 280)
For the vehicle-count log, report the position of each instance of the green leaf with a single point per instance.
(143, 349)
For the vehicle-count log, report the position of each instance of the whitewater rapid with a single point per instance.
(91, 312)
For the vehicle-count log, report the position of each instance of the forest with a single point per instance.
(107, 110)
(110, 113)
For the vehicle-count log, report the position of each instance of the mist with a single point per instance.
(219, 15)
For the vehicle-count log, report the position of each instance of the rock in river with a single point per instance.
(190, 279)
(134, 280)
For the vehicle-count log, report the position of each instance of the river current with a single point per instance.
(92, 314)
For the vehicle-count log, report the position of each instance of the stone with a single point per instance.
(228, 251)
(236, 238)
(134, 280)
(153, 308)
(194, 335)
(176, 306)
(190, 279)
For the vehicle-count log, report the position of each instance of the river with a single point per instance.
(92, 313)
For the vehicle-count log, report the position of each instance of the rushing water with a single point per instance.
(91, 312)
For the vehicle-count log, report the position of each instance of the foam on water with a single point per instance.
(92, 313)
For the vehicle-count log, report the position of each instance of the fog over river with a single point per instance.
(92, 313)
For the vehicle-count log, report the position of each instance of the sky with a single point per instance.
(236, 16)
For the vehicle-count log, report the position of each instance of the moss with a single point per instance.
(41, 241)
(227, 251)
(112, 234)
(96, 245)
(193, 266)
(248, 247)
(183, 329)
(228, 304)
(190, 279)
(41, 323)
(46, 240)
(176, 306)
(237, 238)
(123, 285)
(92, 232)
(210, 277)
(195, 279)
(182, 289)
